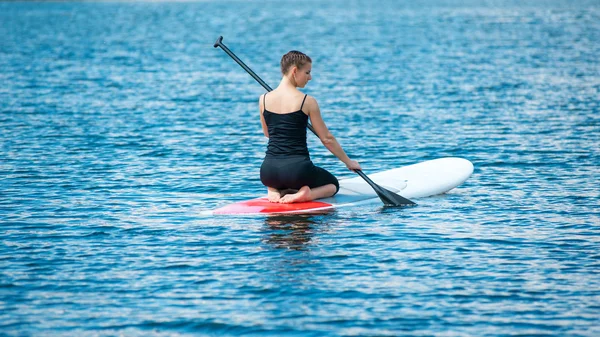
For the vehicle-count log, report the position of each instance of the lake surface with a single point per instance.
(120, 124)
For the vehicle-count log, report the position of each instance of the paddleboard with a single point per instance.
(419, 180)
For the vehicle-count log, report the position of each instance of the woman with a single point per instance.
(287, 171)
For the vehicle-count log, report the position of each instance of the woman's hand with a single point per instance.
(353, 165)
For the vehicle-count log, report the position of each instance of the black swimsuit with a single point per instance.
(287, 162)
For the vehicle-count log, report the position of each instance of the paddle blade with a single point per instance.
(390, 198)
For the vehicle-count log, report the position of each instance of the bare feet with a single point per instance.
(302, 195)
(273, 195)
(287, 191)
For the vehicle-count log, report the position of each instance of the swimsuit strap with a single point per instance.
(303, 102)
(265, 102)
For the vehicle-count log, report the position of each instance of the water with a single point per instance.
(121, 124)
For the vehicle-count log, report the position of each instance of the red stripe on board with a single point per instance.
(262, 205)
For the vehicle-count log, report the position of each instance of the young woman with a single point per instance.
(287, 171)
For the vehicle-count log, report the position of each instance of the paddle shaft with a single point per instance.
(219, 43)
(388, 197)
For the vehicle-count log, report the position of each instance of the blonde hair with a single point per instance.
(293, 58)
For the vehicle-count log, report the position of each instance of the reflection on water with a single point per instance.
(294, 231)
(385, 209)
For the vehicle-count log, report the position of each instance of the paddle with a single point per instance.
(388, 197)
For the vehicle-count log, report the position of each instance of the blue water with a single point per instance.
(120, 124)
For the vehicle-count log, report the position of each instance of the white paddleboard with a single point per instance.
(420, 180)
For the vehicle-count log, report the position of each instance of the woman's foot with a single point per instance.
(287, 191)
(302, 195)
(273, 195)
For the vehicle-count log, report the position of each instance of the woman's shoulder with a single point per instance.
(310, 101)
(310, 98)
(261, 100)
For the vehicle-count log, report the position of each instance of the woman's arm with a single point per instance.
(312, 107)
(262, 117)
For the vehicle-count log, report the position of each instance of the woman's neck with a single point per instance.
(287, 84)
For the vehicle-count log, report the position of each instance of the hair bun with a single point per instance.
(293, 58)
